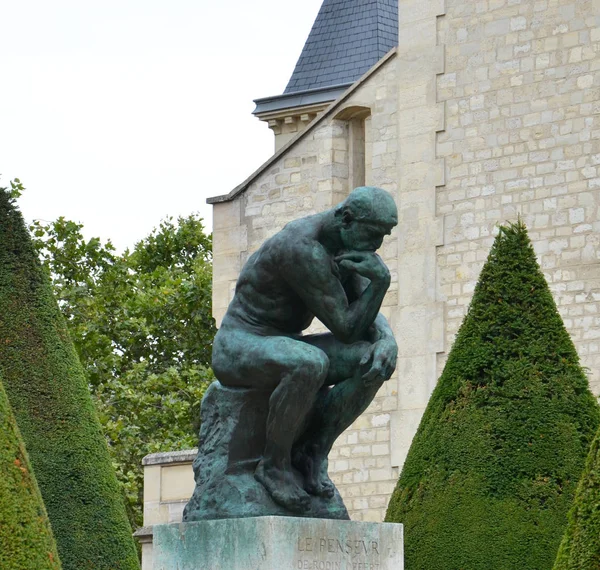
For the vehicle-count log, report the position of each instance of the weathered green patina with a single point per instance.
(313, 386)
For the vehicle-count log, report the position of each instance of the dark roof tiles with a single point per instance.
(346, 40)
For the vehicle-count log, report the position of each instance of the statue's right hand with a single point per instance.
(365, 263)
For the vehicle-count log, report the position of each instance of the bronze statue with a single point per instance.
(322, 266)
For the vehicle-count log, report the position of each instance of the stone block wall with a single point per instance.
(418, 317)
(521, 90)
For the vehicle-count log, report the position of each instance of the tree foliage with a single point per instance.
(26, 539)
(580, 547)
(48, 393)
(15, 190)
(493, 467)
(142, 325)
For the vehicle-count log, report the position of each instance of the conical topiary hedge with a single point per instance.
(26, 539)
(492, 470)
(48, 392)
(580, 547)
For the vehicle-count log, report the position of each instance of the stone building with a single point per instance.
(481, 110)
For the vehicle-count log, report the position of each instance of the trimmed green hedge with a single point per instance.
(26, 540)
(580, 547)
(48, 392)
(493, 468)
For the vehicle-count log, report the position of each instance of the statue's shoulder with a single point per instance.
(296, 241)
(302, 226)
(296, 233)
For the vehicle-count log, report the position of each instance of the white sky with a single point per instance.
(117, 113)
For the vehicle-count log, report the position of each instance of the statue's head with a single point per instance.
(367, 215)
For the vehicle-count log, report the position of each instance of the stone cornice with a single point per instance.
(288, 102)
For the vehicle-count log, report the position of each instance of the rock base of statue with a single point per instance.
(278, 543)
(232, 441)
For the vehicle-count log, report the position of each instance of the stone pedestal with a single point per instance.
(278, 543)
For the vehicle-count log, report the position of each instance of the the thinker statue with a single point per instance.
(322, 266)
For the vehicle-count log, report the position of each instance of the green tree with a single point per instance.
(142, 325)
(48, 393)
(492, 470)
(26, 540)
(580, 547)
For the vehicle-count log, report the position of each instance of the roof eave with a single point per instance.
(299, 98)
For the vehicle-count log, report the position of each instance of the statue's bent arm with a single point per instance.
(384, 350)
(380, 329)
(308, 269)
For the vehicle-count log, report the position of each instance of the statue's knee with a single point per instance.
(315, 368)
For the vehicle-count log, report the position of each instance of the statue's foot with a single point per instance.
(314, 470)
(282, 487)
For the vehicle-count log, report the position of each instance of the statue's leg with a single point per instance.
(335, 409)
(295, 371)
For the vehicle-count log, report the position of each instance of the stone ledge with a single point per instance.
(170, 457)
(144, 533)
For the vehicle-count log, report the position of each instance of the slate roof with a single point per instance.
(346, 40)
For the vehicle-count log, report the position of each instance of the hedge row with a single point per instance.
(580, 548)
(26, 540)
(493, 468)
(48, 392)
